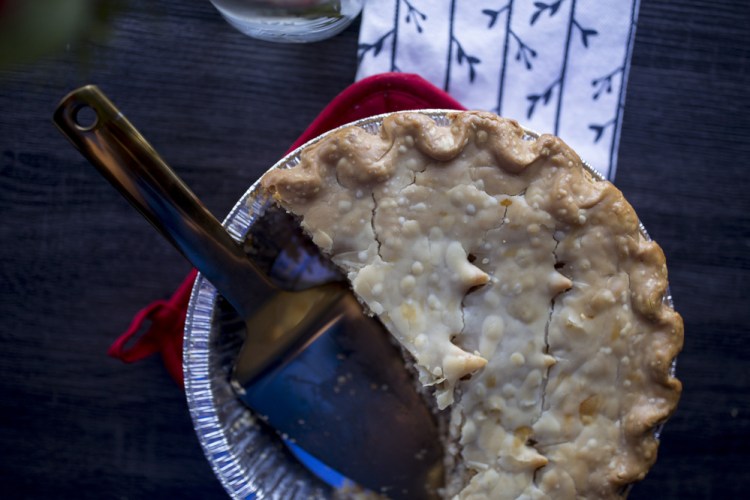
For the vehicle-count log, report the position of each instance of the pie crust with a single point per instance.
(533, 306)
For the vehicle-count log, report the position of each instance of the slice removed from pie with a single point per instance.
(531, 303)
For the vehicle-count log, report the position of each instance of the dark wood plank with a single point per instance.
(76, 261)
(686, 130)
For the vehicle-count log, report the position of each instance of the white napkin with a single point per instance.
(556, 66)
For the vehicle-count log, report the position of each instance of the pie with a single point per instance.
(533, 307)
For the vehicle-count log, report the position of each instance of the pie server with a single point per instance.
(314, 366)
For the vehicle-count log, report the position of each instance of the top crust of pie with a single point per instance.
(523, 287)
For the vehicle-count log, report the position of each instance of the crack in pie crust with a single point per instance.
(533, 306)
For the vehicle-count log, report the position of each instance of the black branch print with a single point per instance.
(413, 16)
(542, 7)
(412, 13)
(599, 129)
(604, 83)
(573, 25)
(585, 33)
(524, 52)
(462, 56)
(375, 47)
(494, 14)
(544, 97)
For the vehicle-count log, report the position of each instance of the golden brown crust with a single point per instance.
(610, 275)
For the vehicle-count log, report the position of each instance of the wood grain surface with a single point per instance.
(76, 262)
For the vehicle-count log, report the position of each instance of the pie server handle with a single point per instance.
(123, 156)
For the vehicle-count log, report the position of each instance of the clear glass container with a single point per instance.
(289, 21)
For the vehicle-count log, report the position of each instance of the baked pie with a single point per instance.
(522, 288)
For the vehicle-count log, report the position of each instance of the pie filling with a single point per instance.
(531, 303)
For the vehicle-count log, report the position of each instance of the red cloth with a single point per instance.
(372, 96)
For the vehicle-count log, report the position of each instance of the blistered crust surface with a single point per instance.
(521, 286)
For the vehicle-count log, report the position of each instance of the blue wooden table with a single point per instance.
(76, 262)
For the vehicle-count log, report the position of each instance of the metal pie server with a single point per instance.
(313, 366)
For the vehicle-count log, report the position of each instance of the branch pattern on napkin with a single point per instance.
(556, 66)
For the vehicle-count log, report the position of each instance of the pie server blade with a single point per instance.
(314, 367)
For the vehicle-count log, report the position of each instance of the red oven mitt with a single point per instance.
(372, 96)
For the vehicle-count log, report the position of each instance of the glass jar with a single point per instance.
(289, 21)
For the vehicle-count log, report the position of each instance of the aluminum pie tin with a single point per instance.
(248, 458)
